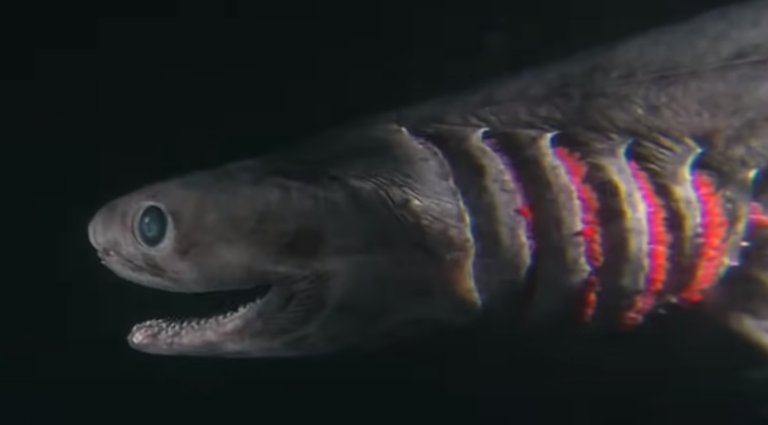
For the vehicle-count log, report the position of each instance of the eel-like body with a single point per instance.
(586, 194)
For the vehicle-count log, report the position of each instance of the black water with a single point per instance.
(143, 94)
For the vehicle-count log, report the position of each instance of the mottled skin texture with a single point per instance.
(374, 231)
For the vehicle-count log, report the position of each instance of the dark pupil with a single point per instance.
(152, 225)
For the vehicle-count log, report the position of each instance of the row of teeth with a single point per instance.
(172, 325)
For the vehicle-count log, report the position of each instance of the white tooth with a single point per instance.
(180, 324)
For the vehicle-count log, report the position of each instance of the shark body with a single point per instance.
(583, 195)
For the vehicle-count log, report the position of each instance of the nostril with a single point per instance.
(105, 255)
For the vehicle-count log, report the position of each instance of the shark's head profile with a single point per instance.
(352, 252)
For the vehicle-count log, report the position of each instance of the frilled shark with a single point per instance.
(585, 194)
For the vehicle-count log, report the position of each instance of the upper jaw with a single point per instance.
(124, 268)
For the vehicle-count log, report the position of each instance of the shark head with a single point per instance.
(336, 253)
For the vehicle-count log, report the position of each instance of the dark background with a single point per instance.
(103, 104)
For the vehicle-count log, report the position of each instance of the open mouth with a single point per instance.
(220, 321)
(193, 310)
(233, 321)
(185, 313)
(208, 318)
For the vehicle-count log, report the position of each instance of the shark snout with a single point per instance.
(92, 232)
(98, 230)
(96, 238)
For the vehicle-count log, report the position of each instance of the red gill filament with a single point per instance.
(712, 233)
(591, 230)
(658, 249)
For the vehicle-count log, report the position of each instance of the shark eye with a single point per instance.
(152, 225)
